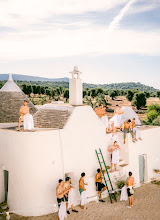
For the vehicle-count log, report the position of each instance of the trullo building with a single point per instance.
(64, 143)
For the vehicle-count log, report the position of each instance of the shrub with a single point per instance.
(151, 115)
(139, 100)
(153, 107)
(156, 121)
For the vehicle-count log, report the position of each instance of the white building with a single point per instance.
(32, 162)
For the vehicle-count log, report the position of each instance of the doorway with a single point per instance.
(6, 174)
(141, 168)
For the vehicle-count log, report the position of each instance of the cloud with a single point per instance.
(114, 24)
(35, 39)
(22, 13)
(84, 41)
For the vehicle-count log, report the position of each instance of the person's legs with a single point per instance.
(132, 135)
(73, 210)
(135, 133)
(67, 206)
(19, 123)
(125, 133)
(111, 167)
(99, 193)
(132, 200)
(104, 188)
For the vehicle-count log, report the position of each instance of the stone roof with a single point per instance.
(11, 99)
(52, 116)
(10, 86)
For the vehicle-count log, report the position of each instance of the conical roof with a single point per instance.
(11, 99)
(52, 116)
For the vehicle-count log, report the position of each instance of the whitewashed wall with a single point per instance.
(34, 164)
(150, 146)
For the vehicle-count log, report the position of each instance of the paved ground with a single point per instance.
(146, 207)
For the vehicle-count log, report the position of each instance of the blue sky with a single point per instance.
(109, 40)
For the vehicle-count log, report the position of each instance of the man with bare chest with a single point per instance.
(24, 109)
(82, 191)
(130, 190)
(128, 129)
(100, 187)
(118, 117)
(67, 189)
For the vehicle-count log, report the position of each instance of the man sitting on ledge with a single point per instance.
(26, 117)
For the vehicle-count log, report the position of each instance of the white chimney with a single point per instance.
(75, 88)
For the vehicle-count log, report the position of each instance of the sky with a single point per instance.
(110, 41)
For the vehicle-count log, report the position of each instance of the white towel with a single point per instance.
(117, 120)
(115, 157)
(70, 198)
(28, 122)
(62, 213)
(105, 121)
(83, 198)
(138, 132)
(124, 195)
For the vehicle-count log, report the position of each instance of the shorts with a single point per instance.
(127, 131)
(129, 193)
(60, 200)
(66, 197)
(99, 186)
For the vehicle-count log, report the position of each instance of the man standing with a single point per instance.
(130, 190)
(118, 117)
(82, 191)
(128, 129)
(60, 199)
(114, 149)
(23, 111)
(68, 195)
(100, 187)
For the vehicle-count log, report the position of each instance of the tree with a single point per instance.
(24, 88)
(113, 94)
(53, 93)
(42, 90)
(101, 100)
(139, 100)
(66, 94)
(84, 93)
(158, 94)
(93, 93)
(34, 87)
(48, 92)
(99, 91)
(38, 90)
(147, 94)
(58, 91)
(130, 95)
(89, 92)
